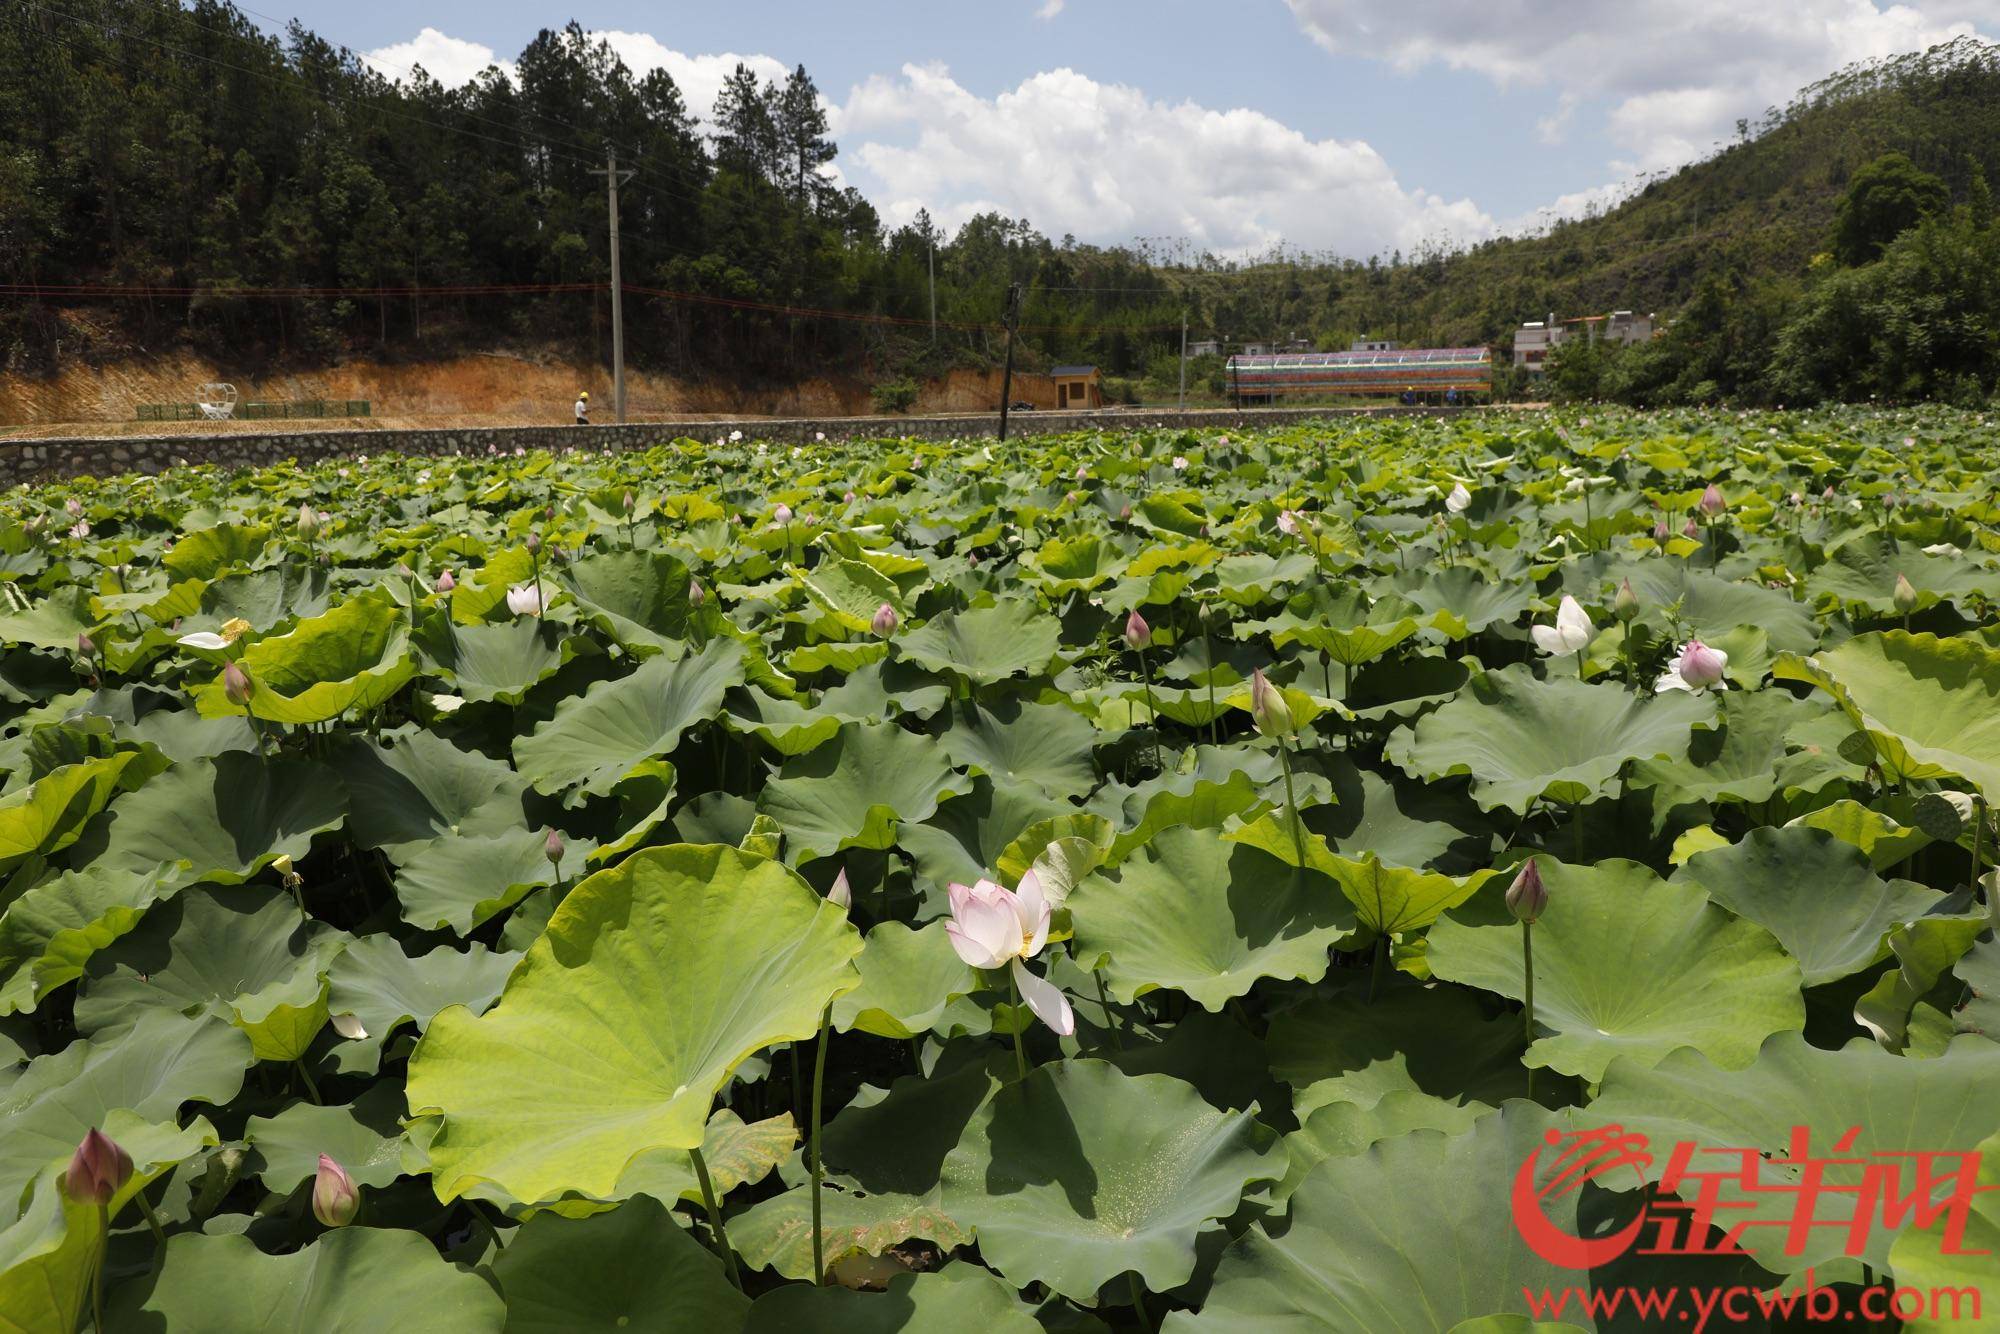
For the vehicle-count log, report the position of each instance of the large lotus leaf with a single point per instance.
(1627, 965)
(183, 734)
(221, 819)
(1930, 705)
(959, 1297)
(986, 644)
(1979, 969)
(908, 979)
(140, 1078)
(481, 595)
(630, 1268)
(208, 551)
(464, 880)
(1562, 739)
(653, 981)
(52, 623)
(1081, 1173)
(850, 592)
(1711, 607)
(776, 1233)
(1885, 841)
(1925, 949)
(736, 1153)
(1071, 565)
(640, 598)
(1468, 595)
(855, 790)
(1432, 825)
(1046, 746)
(265, 598)
(1750, 757)
(48, 816)
(353, 657)
(1206, 917)
(51, 931)
(1891, 1105)
(1432, 1040)
(1410, 1237)
(353, 1280)
(1343, 1129)
(1387, 899)
(493, 662)
(364, 1137)
(599, 738)
(1213, 785)
(383, 988)
(246, 953)
(1816, 894)
(421, 788)
(967, 836)
(47, 1257)
(1864, 572)
(1956, 1267)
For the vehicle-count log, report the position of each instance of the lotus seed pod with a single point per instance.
(1943, 815)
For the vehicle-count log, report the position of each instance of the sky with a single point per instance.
(1352, 126)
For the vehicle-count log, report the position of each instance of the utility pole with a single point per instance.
(1007, 375)
(612, 179)
(1183, 361)
(933, 253)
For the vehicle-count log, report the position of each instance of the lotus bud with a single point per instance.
(445, 583)
(1626, 605)
(1528, 897)
(1288, 523)
(534, 543)
(1125, 512)
(1268, 709)
(1700, 665)
(782, 514)
(848, 498)
(1660, 530)
(1889, 501)
(237, 687)
(1137, 633)
(1081, 472)
(308, 521)
(552, 848)
(631, 502)
(1905, 597)
(885, 621)
(1712, 501)
(696, 593)
(1459, 499)
(335, 1201)
(1690, 528)
(1796, 500)
(73, 507)
(403, 569)
(97, 1169)
(840, 894)
(85, 646)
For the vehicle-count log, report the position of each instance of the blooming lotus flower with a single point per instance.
(885, 621)
(820, 436)
(1268, 709)
(73, 507)
(237, 687)
(1696, 667)
(991, 927)
(526, 600)
(840, 894)
(97, 1169)
(335, 1201)
(735, 436)
(1459, 498)
(1571, 633)
(1944, 549)
(1137, 633)
(349, 1027)
(445, 583)
(1712, 501)
(1527, 897)
(79, 530)
(235, 628)
(203, 639)
(1180, 463)
(1288, 522)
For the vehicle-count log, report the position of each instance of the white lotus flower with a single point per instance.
(991, 927)
(1943, 549)
(204, 639)
(348, 1027)
(525, 600)
(1180, 463)
(1459, 498)
(1571, 633)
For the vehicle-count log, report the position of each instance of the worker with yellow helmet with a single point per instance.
(583, 408)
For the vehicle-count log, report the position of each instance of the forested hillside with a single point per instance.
(174, 176)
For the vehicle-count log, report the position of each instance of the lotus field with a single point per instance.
(1119, 881)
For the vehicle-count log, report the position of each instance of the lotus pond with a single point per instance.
(1118, 881)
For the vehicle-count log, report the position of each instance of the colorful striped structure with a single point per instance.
(1426, 371)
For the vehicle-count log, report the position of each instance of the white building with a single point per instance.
(1535, 340)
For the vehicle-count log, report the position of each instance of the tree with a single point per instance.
(1884, 199)
(801, 131)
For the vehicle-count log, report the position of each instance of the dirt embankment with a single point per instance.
(489, 389)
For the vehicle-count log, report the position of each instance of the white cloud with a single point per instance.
(1107, 163)
(452, 61)
(1049, 9)
(699, 78)
(1668, 77)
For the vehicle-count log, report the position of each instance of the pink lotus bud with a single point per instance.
(1690, 528)
(1125, 513)
(552, 848)
(696, 593)
(1700, 665)
(335, 1201)
(237, 687)
(631, 502)
(1268, 709)
(840, 894)
(445, 583)
(403, 568)
(97, 1169)
(1828, 493)
(85, 646)
(1796, 499)
(1137, 633)
(1081, 472)
(534, 543)
(782, 514)
(73, 507)
(848, 498)
(1527, 897)
(1889, 501)
(1711, 500)
(1659, 530)
(1905, 596)
(885, 621)
(1626, 605)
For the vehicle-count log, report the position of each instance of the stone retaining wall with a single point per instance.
(29, 460)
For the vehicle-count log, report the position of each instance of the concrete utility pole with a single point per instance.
(1007, 375)
(613, 178)
(1183, 361)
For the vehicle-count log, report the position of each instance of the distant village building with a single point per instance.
(1373, 345)
(1077, 387)
(1535, 340)
(1205, 347)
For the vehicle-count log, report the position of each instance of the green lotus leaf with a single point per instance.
(1081, 1173)
(353, 657)
(625, 1269)
(1028, 847)
(1388, 900)
(463, 880)
(222, 819)
(47, 1257)
(835, 656)
(653, 981)
(364, 1137)
(908, 979)
(850, 592)
(1885, 841)
(493, 662)
(1437, 1041)
(1890, 1104)
(382, 988)
(777, 1233)
(1343, 1129)
(266, 598)
(969, 835)
(957, 1297)
(1046, 746)
(51, 931)
(1474, 600)
(1206, 917)
(1711, 607)
(1409, 1237)
(787, 726)
(1515, 1324)
(1979, 969)
(1864, 571)
(1926, 949)
(639, 598)
(1956, 1270)
(1429, 825)
(1627, 965)
(599, 738)
(481, 595)
(1523, 740)
(205, 553)
(1816, 894)
(421, 788)
(183, 734)
(853, 792)
(1077, 565)
(49, 815)
(1219, 785)
(52, 623)
(138, 1080)
(984, 645)
(1930, 705)
(352, 1278)
(1751, 756)
(246, 953)
(737, 1154)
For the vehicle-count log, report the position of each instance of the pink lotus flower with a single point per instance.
(445, 583)
(991, 927)
(1137, 633)
(97, 1169)
(1697, 667)
(1712, 501)
(335, 1200)
(1288, 522)
(885, 621)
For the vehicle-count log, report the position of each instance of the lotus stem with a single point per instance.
(1380, 966)
(1208, 661)
(97, 1270)
(1528, 986)
(1152, 709)
(819, 1168)
(715, 1217)
(798, 1085)
(152, 1219)
(312, 1089)
(1014, 1008)
(1292, 807)
(1110, 1021)
(1139, 1301)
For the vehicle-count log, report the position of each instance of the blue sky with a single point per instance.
(1353, 125)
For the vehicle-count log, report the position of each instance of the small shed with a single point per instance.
(1077, 387)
